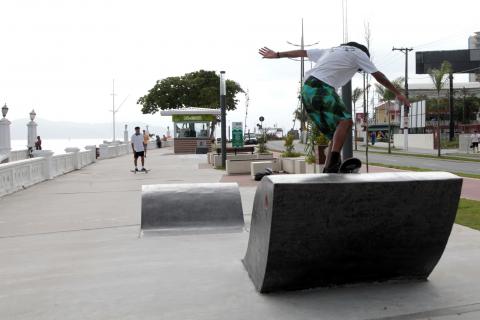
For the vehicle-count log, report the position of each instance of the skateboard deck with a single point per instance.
(351, 165)
(140, 171)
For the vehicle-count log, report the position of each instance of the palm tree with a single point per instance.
(386, 95)
(357, 93)
(301, 116)
(438, 79)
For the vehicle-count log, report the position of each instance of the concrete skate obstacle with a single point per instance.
(331, 229)
(190, 206)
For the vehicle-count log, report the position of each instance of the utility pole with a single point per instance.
(405, 114)
(302, 74)
(114, 111)
(405, 51)
(223, 107)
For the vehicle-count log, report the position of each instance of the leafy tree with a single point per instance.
(385, 93)
(200, 89)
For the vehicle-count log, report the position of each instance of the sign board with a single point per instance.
(416, 115)
(193, 118)
(237, 134)
(462, 61)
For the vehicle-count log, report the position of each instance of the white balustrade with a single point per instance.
(18, 155)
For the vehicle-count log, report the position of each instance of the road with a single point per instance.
(401, 160)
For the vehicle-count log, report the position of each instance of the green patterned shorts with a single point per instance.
(323, 106)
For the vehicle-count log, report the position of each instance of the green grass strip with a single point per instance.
(468, 213)
(460, 174)
(429, 156)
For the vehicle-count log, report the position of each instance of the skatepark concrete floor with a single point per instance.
(70, 249)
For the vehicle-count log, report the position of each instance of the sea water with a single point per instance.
(58, 145)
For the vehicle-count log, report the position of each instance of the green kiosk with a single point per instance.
(192, 128)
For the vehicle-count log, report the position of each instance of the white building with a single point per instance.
(474, 43)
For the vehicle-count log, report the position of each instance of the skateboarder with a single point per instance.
(137, 148)
(334, 67)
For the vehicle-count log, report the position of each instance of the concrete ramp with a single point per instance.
(191, 206)
(332, 229)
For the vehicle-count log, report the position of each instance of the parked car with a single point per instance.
(250, 139)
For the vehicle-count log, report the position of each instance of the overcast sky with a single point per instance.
(59, 57)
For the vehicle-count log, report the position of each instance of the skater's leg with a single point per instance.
(135, 160)
(143, 161)
(343, 129)
(335, 146)
(329, 155)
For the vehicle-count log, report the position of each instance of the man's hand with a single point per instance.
(403, 99)
(267, 53)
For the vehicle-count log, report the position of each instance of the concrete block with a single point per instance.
(331, 229)
(197, 205)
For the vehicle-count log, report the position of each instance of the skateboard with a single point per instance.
(260, 175)
(351, 165)
(140, 171)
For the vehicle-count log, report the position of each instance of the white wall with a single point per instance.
(417, 141)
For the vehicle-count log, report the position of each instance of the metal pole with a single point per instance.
(347, 151)
(223, 92)
(113, 109)
(365, 118)
(389, 127)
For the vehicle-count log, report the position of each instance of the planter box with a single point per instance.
(288, 165)
(243, 166)
(300, 166)
(313, 168)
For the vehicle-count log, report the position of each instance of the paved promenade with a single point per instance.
(70, 249)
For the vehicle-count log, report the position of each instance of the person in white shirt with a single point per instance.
(138, 148)
(475, 138)
(333, 68)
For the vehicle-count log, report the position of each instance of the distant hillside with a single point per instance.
(63, 130)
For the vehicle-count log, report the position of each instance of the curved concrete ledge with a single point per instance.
(197, 205)
(322, 230)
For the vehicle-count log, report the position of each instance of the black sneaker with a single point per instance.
(136, 169)
(143, 169)
(332, 168)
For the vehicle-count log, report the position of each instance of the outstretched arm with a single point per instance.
(383, 80)
(270, 54)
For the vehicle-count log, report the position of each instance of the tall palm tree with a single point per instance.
(386, 95)
(357, 93)
(439, 79)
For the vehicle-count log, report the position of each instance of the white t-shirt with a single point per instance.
(336, 66)
(137, 140)
(475, 137)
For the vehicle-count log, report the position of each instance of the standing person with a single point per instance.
(38, 143)
(333, 68)
(374, 138)
(138, 148)
(146, 139)
(475, 138)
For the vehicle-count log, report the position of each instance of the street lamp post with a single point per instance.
(32, 131)
(5, 142)
(223, 92)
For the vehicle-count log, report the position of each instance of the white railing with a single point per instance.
(108, 151)
(18, 155)
(21, 174)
